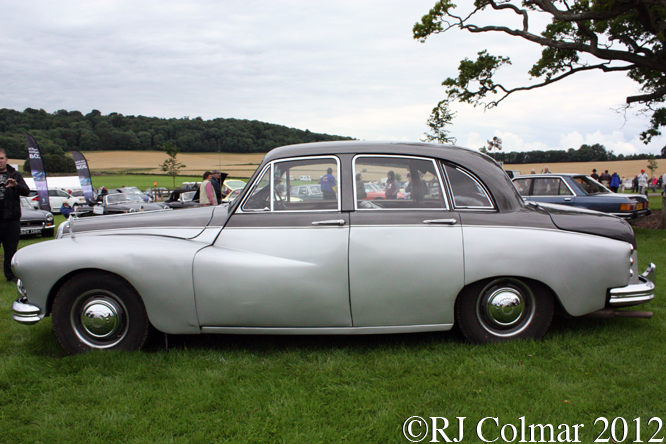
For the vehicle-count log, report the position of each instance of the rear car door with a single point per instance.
(405, 255)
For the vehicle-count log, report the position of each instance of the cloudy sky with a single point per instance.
(340, 67)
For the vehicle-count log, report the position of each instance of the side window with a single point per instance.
(316, 189)
(396, 183)
(550, 187)
(259, 197)
(467, 191)
(523, 186)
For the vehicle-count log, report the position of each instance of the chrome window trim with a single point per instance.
(446, 207)
(271, 165)
(573, 193)
(490, 208)
(267, 168)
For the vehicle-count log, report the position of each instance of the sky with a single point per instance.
(342, 67)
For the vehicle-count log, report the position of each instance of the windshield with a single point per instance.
(121, 197)
(591, 186)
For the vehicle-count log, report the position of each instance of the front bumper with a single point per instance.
(635, 294)
(24, 312)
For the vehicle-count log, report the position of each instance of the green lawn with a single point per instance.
(251, 389)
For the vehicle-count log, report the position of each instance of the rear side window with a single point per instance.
(550, 187)
(467, 190)
(523, 186)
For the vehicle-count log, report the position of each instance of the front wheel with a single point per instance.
(504, 309)
(99, 311)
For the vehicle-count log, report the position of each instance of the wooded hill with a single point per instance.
(64, 131)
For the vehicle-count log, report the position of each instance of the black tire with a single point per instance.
(97, 310)
(504, 309)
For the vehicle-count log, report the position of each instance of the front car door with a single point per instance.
(280, 261)
(405, 255)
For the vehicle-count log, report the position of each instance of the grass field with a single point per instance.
(277, 389)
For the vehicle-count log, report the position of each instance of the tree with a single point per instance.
(171, 166)
(652, 166)
(495, 144)
(622, 35)
(440, 117)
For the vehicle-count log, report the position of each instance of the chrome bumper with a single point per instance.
(24, 312)
(635, 294)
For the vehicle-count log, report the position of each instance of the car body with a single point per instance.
(374, 191)
(119, 203)
(580, 190)
(231, 188)
(182, 198)
(157, 192)
(472, 253)
(56, 198)
(35, 221)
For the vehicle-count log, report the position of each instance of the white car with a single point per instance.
(56, 198)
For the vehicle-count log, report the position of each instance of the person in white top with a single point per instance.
(642, 182)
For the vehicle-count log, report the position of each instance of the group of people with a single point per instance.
(210, 191)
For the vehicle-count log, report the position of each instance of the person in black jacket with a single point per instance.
(216, 181)
(12, 186)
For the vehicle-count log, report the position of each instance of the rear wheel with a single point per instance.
(99, 311)
(504, 309)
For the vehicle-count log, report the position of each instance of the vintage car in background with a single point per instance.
(231, 188)
(470, 253)
(35, 221)
(182, 198)
(118, 203)
(307, 192)
(579, 190)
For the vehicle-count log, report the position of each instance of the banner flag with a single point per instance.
(84, 176)
(38, 173)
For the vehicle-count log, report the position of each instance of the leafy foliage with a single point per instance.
(586, 153)
(622, 35)
(171, 165)
(441, 117)
(64, 131)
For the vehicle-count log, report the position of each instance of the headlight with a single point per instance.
(49, 217)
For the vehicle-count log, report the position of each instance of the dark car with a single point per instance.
(118, 203)
(35, 221)
(582, 191)
(182, 198)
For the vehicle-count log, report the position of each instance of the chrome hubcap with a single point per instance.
(505, 307)
(99, 319)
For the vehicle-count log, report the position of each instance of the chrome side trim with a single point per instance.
(327, 330)
(634, 294)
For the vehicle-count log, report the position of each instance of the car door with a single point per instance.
(279, 262)
(405, 255)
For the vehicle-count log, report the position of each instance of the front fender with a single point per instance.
(159, 268)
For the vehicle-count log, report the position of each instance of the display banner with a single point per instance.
(38, 173)
(84, 176)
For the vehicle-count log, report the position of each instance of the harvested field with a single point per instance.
(243, 165)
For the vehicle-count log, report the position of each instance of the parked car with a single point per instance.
(307, 192)
(182, 198)
(35, 221)
(231, 189)
(474, 253)
(118, 203)
(56, 198)
(134, 190)
(582, 191)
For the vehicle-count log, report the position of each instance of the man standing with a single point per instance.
(12, 186)
(217, 185)
(594, 175)
(328, 183)
(643, 182)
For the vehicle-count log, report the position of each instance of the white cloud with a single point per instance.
(334, 66)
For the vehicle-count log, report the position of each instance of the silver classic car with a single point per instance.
(463, 248)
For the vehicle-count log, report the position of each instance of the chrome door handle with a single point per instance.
(567, 199)
(329, 222)
(440, 221)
